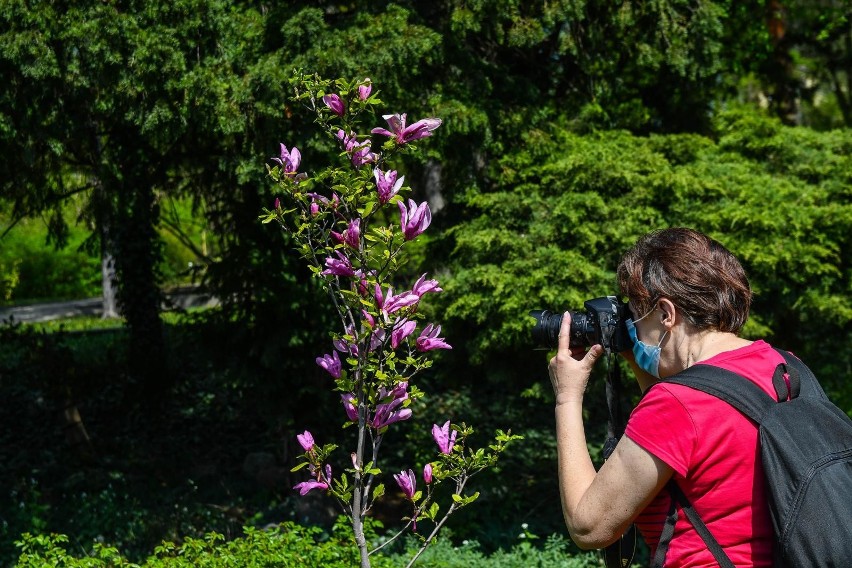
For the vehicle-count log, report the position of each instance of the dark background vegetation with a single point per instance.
(134, 136)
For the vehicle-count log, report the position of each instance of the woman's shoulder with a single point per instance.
(756, 362)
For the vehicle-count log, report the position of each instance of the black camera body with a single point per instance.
(601, 324)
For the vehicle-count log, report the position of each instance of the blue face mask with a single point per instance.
(647, 356)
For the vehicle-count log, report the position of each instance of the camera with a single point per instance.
(602, 323)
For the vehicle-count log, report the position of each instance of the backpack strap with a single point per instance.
(791, 379)
(808, 384)
(743, 395)
(750, 400)
(733, 388)
(679, 498)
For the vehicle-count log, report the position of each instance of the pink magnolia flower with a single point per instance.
(389, 412)
(289, 160)
(427, 473)
(369, 319)
(407, 482)
(333, 102)
(349, 403)
(389, 418)
(361, 282)
(345, 346)
(365, 89)
(415, 219)
(377, 294)
(316, 200)
(387, 184)
(363, 154)
(393, 303)
(444, 437)
(306, 440)
(396, 397)
(330, 363)
(340, 266)
(310, 485)
(401, 330)
(429, 339)
(351, 235)
(400, 390)
(422, 286)
(349, 140)
(359, 152)
(377, 338)
(390, 303)
(277, 204)
(405, 134)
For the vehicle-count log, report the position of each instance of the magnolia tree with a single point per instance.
(352, 223)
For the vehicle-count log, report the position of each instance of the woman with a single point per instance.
(689, 298)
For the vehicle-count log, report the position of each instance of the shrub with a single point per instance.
(555, 553)
(285, 545)
(293, 545)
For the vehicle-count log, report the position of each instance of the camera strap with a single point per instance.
(620, 553)
(617, 423)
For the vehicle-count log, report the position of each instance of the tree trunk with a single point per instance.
(138, 252)
(785, 101)
(433, 186)
(108, 277)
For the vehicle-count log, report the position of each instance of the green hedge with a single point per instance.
(286, 545)
(563, 208)
(292, 545)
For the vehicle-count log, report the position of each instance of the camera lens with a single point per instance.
(545, 333)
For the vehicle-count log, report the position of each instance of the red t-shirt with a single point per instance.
(713, 450)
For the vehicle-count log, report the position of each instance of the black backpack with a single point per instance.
(806, 450)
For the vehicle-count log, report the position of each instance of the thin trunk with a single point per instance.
(358, 496)
(103, 208)
(110, 303)
(433, 186)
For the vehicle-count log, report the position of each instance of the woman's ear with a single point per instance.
(668, 312)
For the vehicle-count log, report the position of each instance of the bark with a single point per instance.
(433, 186)
(108, 277)
(785, 101)
(139, 296)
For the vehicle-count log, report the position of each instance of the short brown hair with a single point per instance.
(699, 275)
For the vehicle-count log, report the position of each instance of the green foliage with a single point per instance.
(183, 97)
(565, 207)
(288, 544)
(291, 545)
(33, 268)
(555, 552)
(142, 478)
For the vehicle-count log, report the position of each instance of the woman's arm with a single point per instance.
(598, 506)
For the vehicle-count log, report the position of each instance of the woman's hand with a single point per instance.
(570, 368)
